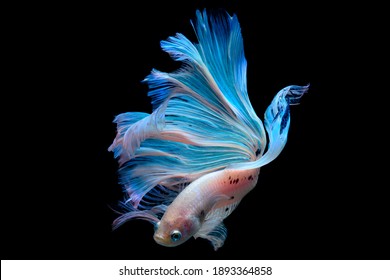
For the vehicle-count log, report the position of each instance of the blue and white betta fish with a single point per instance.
(186, 166)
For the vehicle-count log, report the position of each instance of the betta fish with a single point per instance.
(187, 165)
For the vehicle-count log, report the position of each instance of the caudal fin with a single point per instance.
(277, 124)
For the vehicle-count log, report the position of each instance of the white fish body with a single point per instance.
(202, 206)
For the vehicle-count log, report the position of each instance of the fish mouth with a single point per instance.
(159, 239)
(162, 241)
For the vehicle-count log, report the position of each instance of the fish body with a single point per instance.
(203, 205)
(187, 165)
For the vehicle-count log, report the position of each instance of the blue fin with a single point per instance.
(152, 215)
(151, 208)
(124, 122)
(214, 71)
(159, 195)
(277, 123)
(202, 118)
(132, 129)
(222, 52)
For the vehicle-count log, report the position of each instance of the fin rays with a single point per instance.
(213, 228)
(202, 109)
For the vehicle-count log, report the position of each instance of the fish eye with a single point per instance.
(175, 235)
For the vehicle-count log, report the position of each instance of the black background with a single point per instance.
(79, 66)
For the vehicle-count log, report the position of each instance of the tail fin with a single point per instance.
(277, 123)
(132, 129)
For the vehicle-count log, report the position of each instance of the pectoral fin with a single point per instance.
(216, 236)
(213, 228)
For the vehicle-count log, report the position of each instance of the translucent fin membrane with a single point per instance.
(277, 123)
(213, 228)
(157, 196)
(152, 215)
(202, 118)
(222, 51)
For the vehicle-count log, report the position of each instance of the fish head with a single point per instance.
(176, 231)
